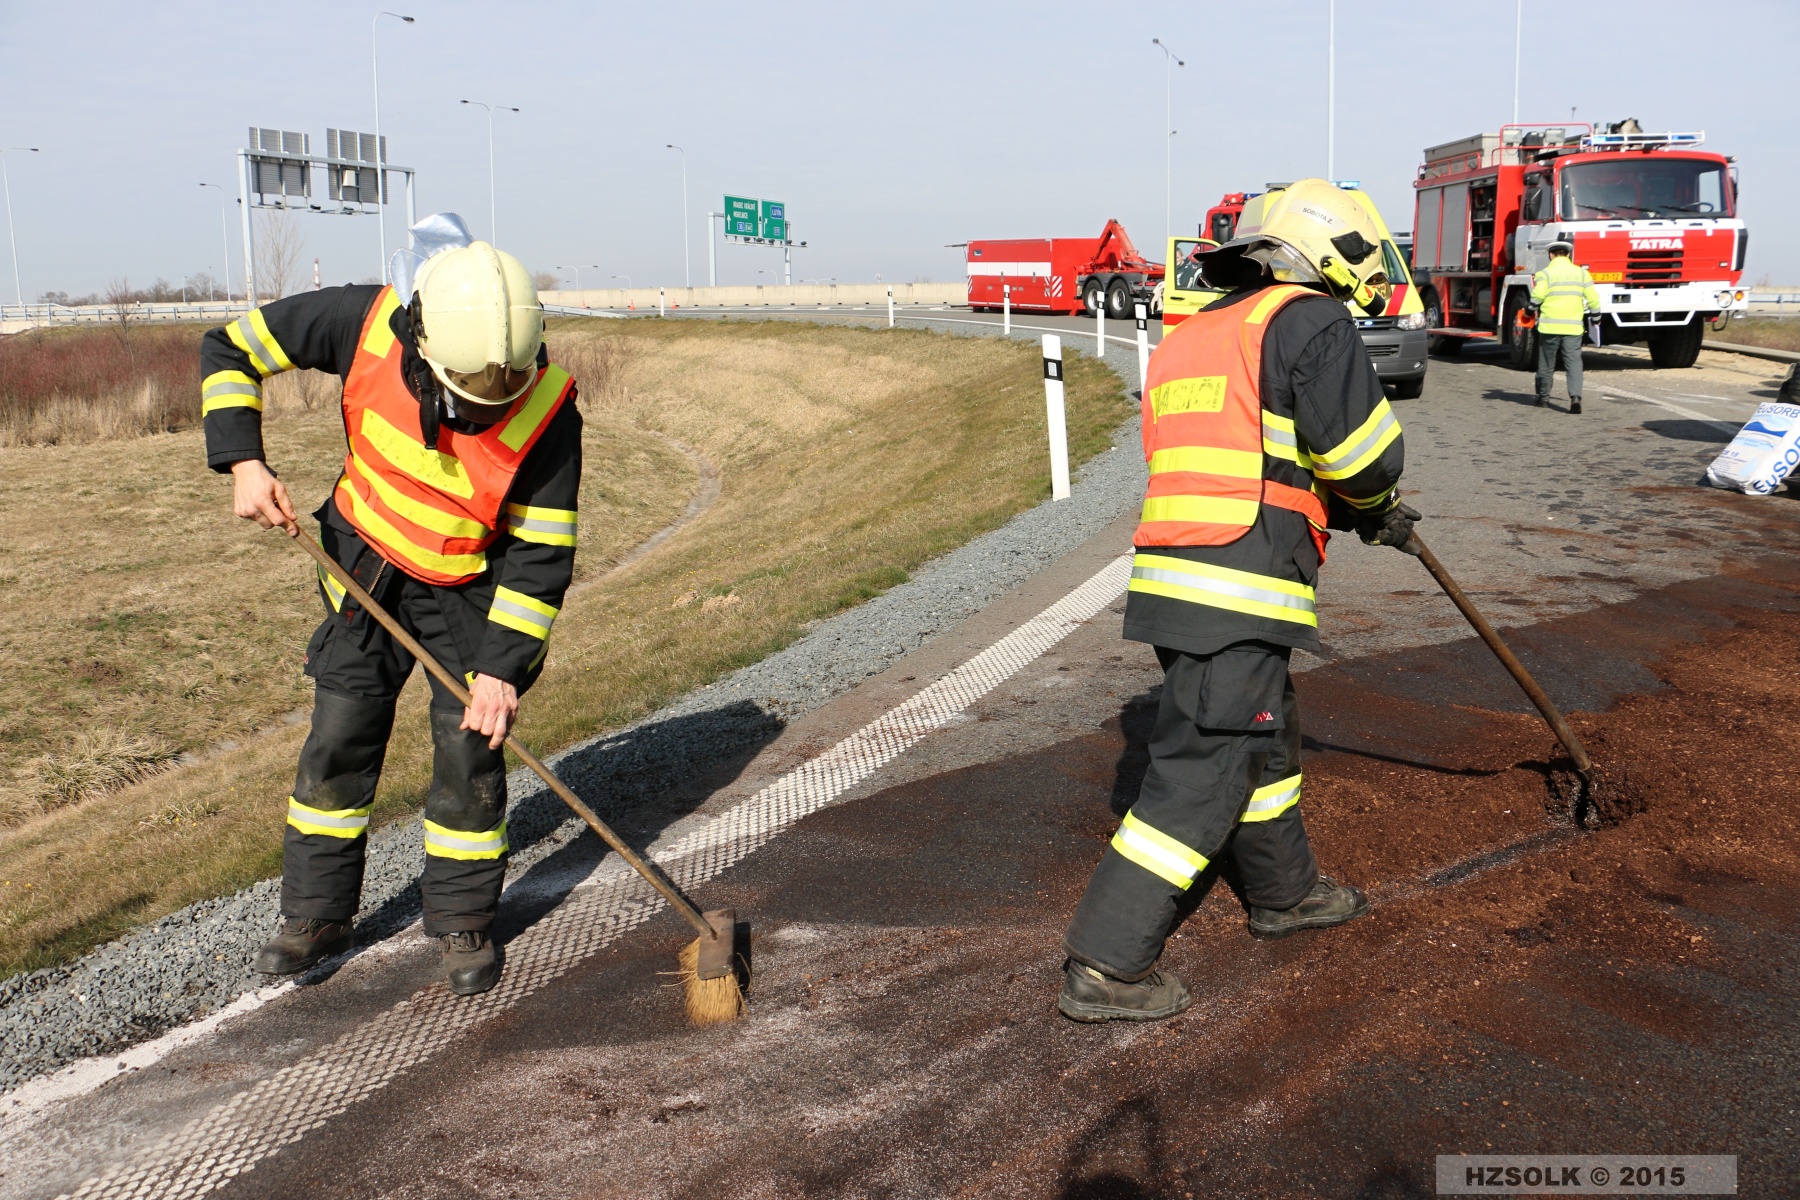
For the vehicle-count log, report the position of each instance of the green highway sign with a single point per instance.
(755, 220)
(741, 217)
(774, 221)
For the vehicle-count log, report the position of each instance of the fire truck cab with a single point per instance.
(1652, 217)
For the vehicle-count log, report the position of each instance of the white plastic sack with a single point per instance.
(1763, 453)
(432, 236)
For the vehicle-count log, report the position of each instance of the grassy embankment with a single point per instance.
(1773, 333)
(146, 619)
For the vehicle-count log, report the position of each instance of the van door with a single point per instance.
(1183, 293)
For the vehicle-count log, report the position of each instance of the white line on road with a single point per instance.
(1727, 426)
(256, 1123)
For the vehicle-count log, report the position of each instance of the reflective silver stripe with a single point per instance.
(494, 839)
(231, 389)
(1209, 584)
(535, 525)
(1330, 462)
(1278, 800)
(312, 816)
(254, 340)
(1281, 437)
(528, 615)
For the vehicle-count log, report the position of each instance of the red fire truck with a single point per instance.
(1063, 275)
(1651, 216)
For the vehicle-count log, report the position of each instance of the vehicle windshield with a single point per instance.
(1628, 189)
(1187, 271)
(1393, 264)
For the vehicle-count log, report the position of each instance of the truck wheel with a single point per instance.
(1434, 319)
(1677, 347)
(1521, 344)
(1409, 389)
(1119, 305)
(1093, 295)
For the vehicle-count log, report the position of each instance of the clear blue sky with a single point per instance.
(889, 130)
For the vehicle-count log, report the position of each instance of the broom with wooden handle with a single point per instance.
(710, 965)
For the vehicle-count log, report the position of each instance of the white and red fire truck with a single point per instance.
(1062, 275)
(1652, 217)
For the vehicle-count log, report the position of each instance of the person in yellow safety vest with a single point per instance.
(1263, 423)
(1562, 295)
(456, 511)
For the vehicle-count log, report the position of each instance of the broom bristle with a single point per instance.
(709, 1001)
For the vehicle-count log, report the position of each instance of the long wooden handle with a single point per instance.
(658, 880)
(1504, 653)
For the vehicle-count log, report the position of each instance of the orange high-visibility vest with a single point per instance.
(431, 512)
(1203, 430)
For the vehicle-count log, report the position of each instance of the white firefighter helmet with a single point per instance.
(479, 325)
(1312, 233)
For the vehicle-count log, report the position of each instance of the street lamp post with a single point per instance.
(224, 236)
(577, 267)
(687, 270)
(1331, 91)
(11, 235)
(1170, 62)
(380, 158)
(1518, 50)
(712, 261)
(493, 216)
(626, 278)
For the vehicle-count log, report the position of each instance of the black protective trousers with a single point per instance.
(1225, 752)
(358, 669)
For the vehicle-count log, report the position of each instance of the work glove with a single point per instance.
(1391, 528)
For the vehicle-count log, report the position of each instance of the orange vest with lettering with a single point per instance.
(1203, 426)
(433, 513)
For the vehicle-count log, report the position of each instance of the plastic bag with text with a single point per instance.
(1763, 453)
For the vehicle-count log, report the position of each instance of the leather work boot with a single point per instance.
(470, 962)
(302, 942)
(1574, 406)
(1543, 402)
(1329, 903)
(1087, 995)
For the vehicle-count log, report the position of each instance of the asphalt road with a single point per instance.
(1521, 986)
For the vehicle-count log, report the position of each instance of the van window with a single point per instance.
(1187, 271)
(1537, 198)
(1393, 264)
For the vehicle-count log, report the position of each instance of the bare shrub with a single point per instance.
(301, 389)
(279, 249)
(598, 365)
(99, 762)
(545, 281)
(80, 385)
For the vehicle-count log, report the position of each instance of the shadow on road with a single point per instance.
(1689, 431)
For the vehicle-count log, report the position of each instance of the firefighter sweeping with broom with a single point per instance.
(456, 513)
(1263, 422)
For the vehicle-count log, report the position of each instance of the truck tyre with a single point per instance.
(1434, 319)
(1678, 347)
(1521, 344)
(1093, 295)
(1119, 306)
(1409, 389)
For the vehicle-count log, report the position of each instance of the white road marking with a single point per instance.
(1727, 426)
(277, 1111)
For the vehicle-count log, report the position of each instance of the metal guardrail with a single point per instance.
(1783, 301)
(101, 314)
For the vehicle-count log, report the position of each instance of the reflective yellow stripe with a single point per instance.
(376, 526)
(1210, 510)
(381, 333)
(1361, 448)
(1157, 852)
(1203, 393)
(250, 333)
(1208, 460)
(1268, 303)
(417, 511)
(1281, 440)
(334, 591)
(527, 614)
(1379, 498)
(524, 423)
(546, 526)
(1222, 587)
(433, 468)
(335, 822)
(444, 842)
(1271, 800)
(230, 389)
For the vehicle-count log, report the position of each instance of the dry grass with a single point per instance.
(849, 457)
(1773, 333)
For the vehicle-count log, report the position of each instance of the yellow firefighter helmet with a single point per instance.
(1312, 233)
(479, 325)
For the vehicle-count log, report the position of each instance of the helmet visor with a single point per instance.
(496, 383)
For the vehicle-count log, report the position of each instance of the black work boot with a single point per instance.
(302, 942)
(1575, 406)
(1087, 995)
(1543, 402)
(1329, 903)
(470, 962)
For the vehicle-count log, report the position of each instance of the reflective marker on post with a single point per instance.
(1053, 410)
(662, 303)
(890, 308)
(1143, 317)
(1100, 328)
(1006, 309)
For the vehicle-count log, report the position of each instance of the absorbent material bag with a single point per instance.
(1762, 454)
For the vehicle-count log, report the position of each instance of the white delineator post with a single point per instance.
(1100, 328)
(1143, 330)
(890, 308)
(662, 302)
(1057, 419)
(1006, 309)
